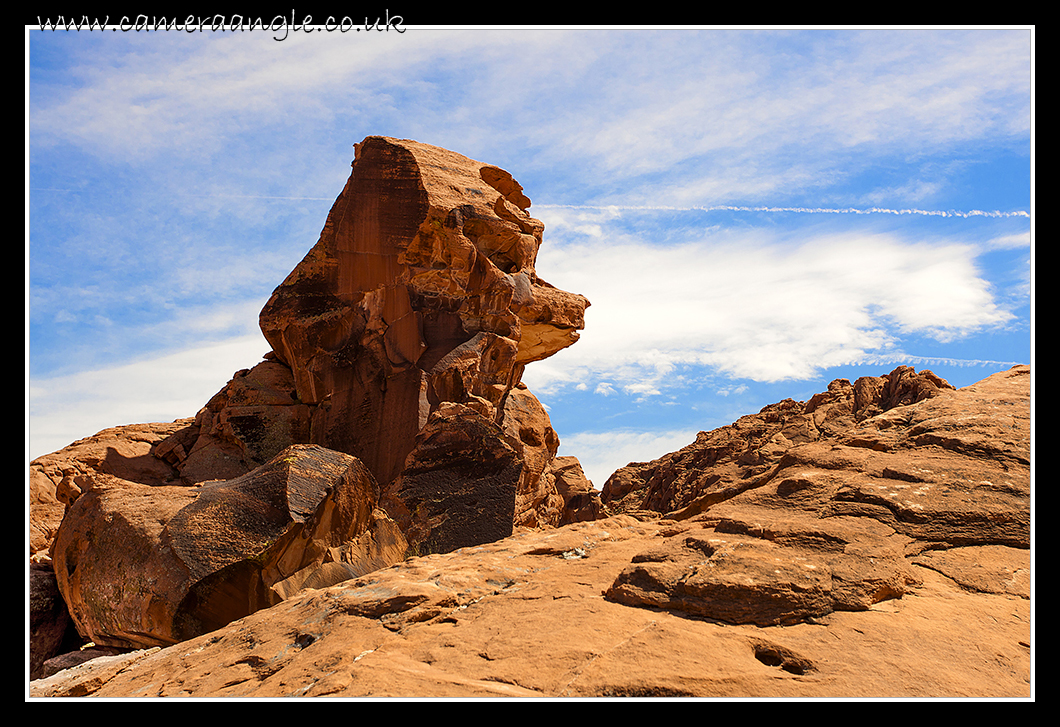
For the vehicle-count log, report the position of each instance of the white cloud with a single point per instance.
(721, 114)
(64, 409)
(601, 453)
(1009, 242)
(740, 115)
(727, 390)
(755, 305)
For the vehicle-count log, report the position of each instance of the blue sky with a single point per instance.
(752, 213)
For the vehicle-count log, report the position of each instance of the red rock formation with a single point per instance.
(803, 510)
(723, 462)
(458, 486)
(421, 291)
(399, 344)
(57, 479)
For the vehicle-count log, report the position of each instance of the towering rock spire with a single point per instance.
(421, 290)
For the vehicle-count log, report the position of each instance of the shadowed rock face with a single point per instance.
(458, 486)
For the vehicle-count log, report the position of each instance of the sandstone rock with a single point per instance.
(529, 431)
(57, 479)
(792, 591)
(400, 339)
(420, 292)
(524, 617)
(581, 501)
(727, 460)
(786, 532)
(784, 572)
(146, 566)
(119, 582)
(244, 425)
(458, 486)
(73, 659)
(49, 622)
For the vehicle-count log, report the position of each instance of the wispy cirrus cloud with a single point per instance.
(176, 179)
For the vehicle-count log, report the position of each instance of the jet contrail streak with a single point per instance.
(800, 210)
(931, 360)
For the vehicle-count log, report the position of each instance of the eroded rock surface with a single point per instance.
(146, 566)
(805, 509)
(525, 617)
(420, 299)
(57, 479)
(458, 485)
(420, 292)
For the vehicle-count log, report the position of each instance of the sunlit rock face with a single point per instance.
(141, 566)
(420, 291)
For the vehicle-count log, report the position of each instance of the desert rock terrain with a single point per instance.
(377, 508)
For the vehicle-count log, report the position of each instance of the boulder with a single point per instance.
(458, 486)
(145, 566)
(57, 479)
(581, 501)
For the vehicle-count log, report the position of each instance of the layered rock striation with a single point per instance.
(805, 509)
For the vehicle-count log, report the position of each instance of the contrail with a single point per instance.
(800, 210)
(931, 361)
(663, 208)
